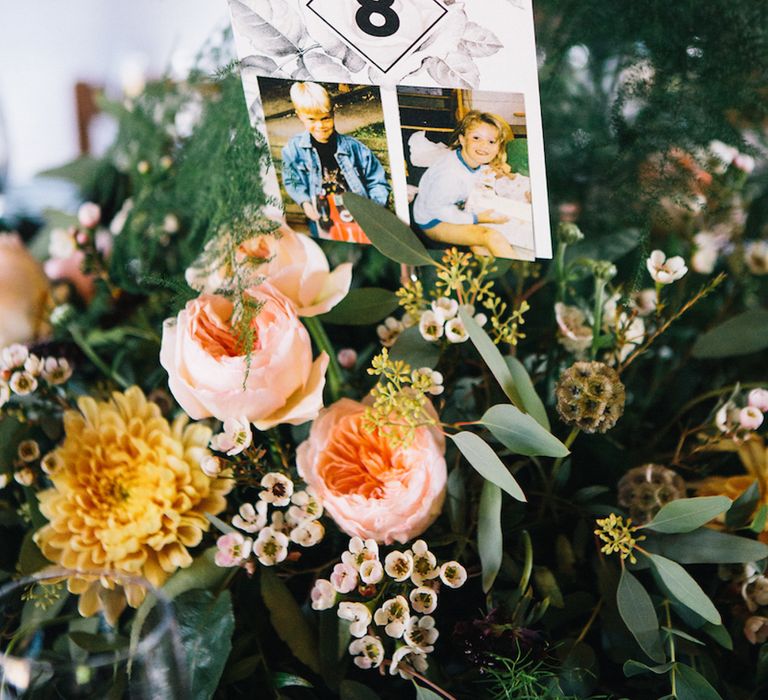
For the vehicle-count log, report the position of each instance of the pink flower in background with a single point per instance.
(24, 293)
(69, 268)
(210, 374)
(371, 488)
(89, 215)
(293, 263)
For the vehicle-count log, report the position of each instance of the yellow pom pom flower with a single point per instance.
(128, 496)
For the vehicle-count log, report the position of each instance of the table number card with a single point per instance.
(429, 107)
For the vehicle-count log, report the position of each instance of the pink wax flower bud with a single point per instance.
(347, 358)
(750, 418)
(89, 215)
(758, 398)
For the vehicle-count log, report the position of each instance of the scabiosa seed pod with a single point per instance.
(644, 490)
(591, 396)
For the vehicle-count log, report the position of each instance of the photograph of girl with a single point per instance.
(468, 180)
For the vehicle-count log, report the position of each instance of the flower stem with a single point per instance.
(90, 353)
(323, 342)
(598, 313)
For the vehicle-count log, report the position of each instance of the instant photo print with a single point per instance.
(425, 107)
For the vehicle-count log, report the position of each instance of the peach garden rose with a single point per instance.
(210, 374)
(371, 488)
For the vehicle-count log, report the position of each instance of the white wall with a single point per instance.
(46, 46)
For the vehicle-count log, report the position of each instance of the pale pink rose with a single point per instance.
(210, 375)
(295, 265)
(24, 293)
(371, 488)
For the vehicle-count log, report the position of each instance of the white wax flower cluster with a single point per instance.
(738, 415)
(21, 372)
(298, 523)
(388, 601)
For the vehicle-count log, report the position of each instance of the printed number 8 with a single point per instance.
(382, 8)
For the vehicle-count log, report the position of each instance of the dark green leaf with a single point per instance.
(684, 589)
(352, 690)
(758, 524)
(288, 620)
(546, 585)
(740, 335)
(532, 403)
(362, 307)
(286, 680)
(520, 433)
(611, 247)
(719, 634)
(388, 234)
(492, 357)
(490, 540)
(706, 546)
(410, 347)
(635, 668)
(423, 693)
(332, 648)
(688, 514)
(683, 635)
(743, 507)
(482, 457)
(97, 643)
(691, 685)
(34, 615)
(31, 559)
(203, 617)
(456, 500)
(639, 615)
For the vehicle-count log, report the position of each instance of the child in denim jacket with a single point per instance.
(321, 160)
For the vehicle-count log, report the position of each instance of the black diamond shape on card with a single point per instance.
(364, 54)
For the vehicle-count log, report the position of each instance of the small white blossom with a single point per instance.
(62, 243)
(756, 257)
(25, 476)
(323, 595)
(235, 438)
(359, 551)
(171, 223)
(5, 479)
(211, 466)
(750, 418)
(89, 215)
(308, 533)
(23, 383)
(271, 547)
(759, 399)
(232, 549)
(423, 600)
(29, 450)
(371, 571)
(420, 633)
(250, 518)
(277, 489)
(56, 370)
(744, 162)
(358, 614)
(445, 308)
(407, 659)
(755, 592)
(13, 356)
(399, 565)
(306, 506)
(424, 563)
(389, 331)
(455, 331)
(279, 523)
(344, 578)
(431, 326)
(453, 574)
(435, 380)
(663, 270)
(368, 652)
(481, 319)
(645, 301)
(573, 332)
(408, 321)
(34, 365)
(726, 417)
(394, 614)
(51, 462)
(723, 153)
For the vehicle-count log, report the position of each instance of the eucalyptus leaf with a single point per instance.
(719, 633)
(352, 690)
(706, 546)
(362, 307)
(410, 347)
(639, 615)
(97, 643)
(202, 617)
(688, 514)
(388, 234)
(691, 685)
(743, 507)
(684, 588)
(490, 541)
(532, 403)
(485, 461)
(288, 620)
(635, 668)
(423, 693)
(287, 680)
(740, 335)
(520, 432)
(761, 517)
(492, 357)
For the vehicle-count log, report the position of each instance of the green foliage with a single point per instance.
(682, 587)
(639, 615)
(490, 543)
(482, 457)
(362, 307)
(688, 514)
(744, 334)
(520, 433)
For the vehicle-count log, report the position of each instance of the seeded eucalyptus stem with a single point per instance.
(323, 342)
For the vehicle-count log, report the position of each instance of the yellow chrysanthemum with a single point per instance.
(128, 496)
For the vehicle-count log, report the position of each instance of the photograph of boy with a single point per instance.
(469, 193)
(319, 163)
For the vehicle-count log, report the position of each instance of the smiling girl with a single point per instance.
(478, 152)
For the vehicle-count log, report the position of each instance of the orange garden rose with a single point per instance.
(371, 488)
(128, 495)
(210, 374)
